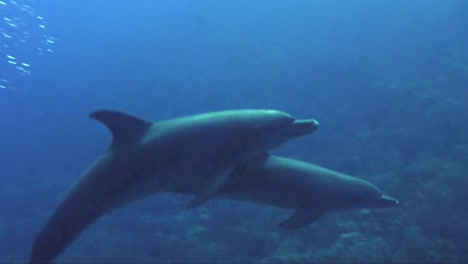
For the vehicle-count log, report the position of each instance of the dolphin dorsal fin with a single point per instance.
(124, 128)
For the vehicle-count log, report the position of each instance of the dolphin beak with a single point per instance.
(387, 201)
(296, 128)
(305, 125)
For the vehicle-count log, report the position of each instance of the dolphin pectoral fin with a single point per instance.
(124, 127)
(302, 218)
(215, 181)
(199, 199)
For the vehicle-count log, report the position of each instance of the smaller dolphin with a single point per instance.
(144, 157)
(309, 189)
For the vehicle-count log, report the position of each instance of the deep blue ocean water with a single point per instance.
(387, 80)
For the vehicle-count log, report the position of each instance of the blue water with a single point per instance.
(387, 80)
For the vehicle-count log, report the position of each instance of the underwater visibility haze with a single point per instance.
(387, 80)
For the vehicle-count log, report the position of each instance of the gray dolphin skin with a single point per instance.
(309, 189)
(144, 158)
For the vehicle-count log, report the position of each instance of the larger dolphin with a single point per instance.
(144, 157)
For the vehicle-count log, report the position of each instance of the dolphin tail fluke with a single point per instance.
(73, 215)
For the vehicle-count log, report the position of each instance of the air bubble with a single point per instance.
(12, 25)
(23, 70)
(23, 37)
(6, 35)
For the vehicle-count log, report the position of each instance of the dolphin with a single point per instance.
(309, 189)
(144, 157)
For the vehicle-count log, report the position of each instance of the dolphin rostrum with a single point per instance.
(144, 157)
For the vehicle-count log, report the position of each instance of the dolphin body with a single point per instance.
(146, 157)
(309, 189)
